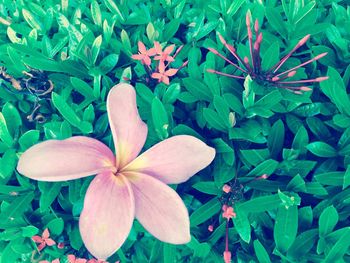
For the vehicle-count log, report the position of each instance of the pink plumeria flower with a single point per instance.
(73, 259)
(163, 55)
(128, 185)
(43, 240)
(163, 75)
(144, 54)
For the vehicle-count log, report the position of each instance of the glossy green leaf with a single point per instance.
(322, 149)
(286, 226)
(160, 119)
(327, 221)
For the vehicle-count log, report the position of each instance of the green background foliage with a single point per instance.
(302, 142)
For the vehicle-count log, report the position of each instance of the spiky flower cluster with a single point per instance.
(253, 68)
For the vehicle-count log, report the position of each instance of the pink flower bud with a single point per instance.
(227, 256)
(226, 188)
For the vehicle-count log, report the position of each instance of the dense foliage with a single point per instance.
(286, 156)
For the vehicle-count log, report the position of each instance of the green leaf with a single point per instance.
(234, 7)
(49, 192)
(269, 100)
(276, 138)
(8, 163)
(32, 21)
(82, 87)
(69, 114)
(266, 167)
(75, 238)
(96, 13)
(214, 120)
(95, 50)
(56, 226)
(172, 93)
(331, 178)
(112, 6)
(334, 88)
(16, 208)
(29, 231)
(169, 253)
(160, 119)
(301, 139)
(346, 181)
(255, 156)
(108, 63)
(126, 42)
(271, 56)
(207, 187)
(340, 248)
(286, 227)
(242, 225)
(260, 204)
(322, 149)
(275, 20)
(260, 252)
(11, 113)
(171, 29)
(205, 212)
(222, 109)
(199, 90)
(28, 139)
(297, 184)
(5, 135)
(303, 244)
(327, 221)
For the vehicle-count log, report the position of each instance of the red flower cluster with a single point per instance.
(163, 58)
(252, 66)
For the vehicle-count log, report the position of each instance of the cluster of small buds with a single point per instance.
(159, 70)
(253, 68)
(232, 191)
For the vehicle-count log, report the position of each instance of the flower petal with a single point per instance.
(142, 48)
(174, 160)
(169, 49)
(165, 80)
(108, 214)
(161, 66)
(151, 52)
(146, 60)
(50, 242)
(68, 159)
(46, 233)
(156, 75)
(157, 47)
(129, 131)
(171, 72)
(160, 209)
(137, 56)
